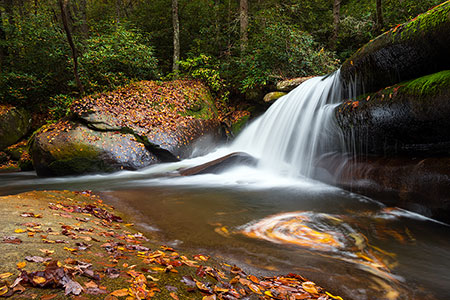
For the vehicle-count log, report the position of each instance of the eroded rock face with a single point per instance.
(14, 125)
(409, 118)
(418, 184)
(408, 51)
(130, 128)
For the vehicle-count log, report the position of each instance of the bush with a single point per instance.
(36, 64)
(282, 51)
(112, 59)
(202, 67)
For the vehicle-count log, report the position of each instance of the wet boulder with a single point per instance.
(221, 164)
(412, 118)
(130, 128)
(410, 50)
(68, 148)
(418, 184)
(14, 125)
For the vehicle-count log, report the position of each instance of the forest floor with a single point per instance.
(71, 245)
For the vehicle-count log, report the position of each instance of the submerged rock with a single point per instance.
(412, 117)
(14, 125)
(221, 164)
(410, 50)
(130, 128)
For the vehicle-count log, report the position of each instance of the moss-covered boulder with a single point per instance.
(411, 117)
(68, 148)
(410, 50)
(135, 126)
(273, 96)
(14, 124)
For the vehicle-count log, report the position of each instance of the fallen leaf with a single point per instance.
(309, 287)
(120, 293)
(38, 280)
(48, 297)
(21, 264)
(5, 275)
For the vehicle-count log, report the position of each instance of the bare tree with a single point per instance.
(336, 21)
(379, 16)
(63, 7)
(176, 36)
(243, 19)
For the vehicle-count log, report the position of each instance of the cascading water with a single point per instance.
(296, 129)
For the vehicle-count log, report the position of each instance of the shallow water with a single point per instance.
(270, 224)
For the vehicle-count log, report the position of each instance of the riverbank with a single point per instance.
(62, 244)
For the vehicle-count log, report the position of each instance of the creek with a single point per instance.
(274, 219)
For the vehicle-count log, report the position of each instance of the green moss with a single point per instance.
(79, 165)
(237, 126)
(77, 150)
(426, 22)
(428, 85)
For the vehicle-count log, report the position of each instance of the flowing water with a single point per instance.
(273, 218)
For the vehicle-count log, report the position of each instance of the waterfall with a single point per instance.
(296, 129)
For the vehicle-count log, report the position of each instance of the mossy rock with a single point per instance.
(290, 84)
(410, 50)
(67, 148)
(273, 96)
(14, 124)
(411, 117)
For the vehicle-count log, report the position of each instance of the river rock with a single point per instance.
(418, 184)
(271, 97)
(130, 128)
(14, 124)
(410, 50)
(290, 84)
(409, 118)
(221, 164)
(68, 148)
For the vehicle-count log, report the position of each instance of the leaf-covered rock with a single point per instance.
(130, 128)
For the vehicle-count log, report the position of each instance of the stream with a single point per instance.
(270, 224)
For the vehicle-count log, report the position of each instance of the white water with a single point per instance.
(296, 129)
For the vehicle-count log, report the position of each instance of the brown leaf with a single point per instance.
(73, 287)
(48, 297)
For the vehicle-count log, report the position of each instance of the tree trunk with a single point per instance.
(336, 21)
(118, 11)
(380, 24)
(243, 19)
(83, 13)
(3, 49)
(176, 36)
(63, 6)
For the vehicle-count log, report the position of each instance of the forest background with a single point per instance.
(53, 52)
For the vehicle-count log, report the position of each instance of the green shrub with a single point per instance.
(281, 51)
(112, 59)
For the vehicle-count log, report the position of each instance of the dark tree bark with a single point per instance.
(176, 36)
(63, 7)
(243, 20)
(336, 21)
(380, 22)
(3, 49)
(83, 14)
